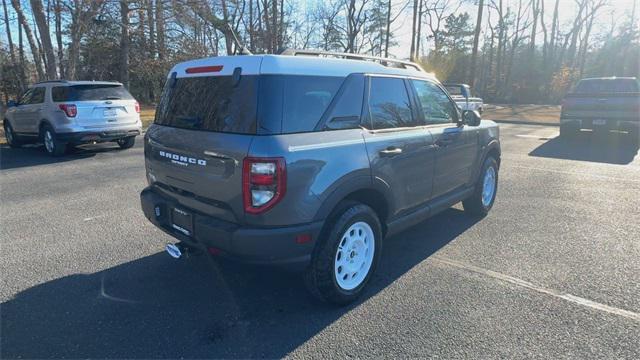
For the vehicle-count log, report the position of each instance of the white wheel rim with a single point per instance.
(488, 186)
(48, 141)
(354, 255)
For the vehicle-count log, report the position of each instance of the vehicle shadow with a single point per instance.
(34, 155)
(158, 307)
(604, 148)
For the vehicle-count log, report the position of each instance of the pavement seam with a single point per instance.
(528, 285)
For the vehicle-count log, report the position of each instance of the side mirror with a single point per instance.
(11, 103)
(342, 122)
(471, 118)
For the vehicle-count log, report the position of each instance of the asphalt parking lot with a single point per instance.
(552, 272)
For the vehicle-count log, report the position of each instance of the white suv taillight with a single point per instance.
(263, 183)
(137, 107)
(69, 109)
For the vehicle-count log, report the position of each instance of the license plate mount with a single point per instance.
(110, 113)
(599, 122)
(182, 221)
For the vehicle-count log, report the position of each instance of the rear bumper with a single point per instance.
(99, 136)
(276, 246)
(628, 125)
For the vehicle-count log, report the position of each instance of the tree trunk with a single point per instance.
(41, 22)
(58, 22)
(160, 29)
(413, 31)
(419, 31)
(124, 43)
(12, 54)
(152, 30)
(388, 34)
(476, 40)
(37, 59)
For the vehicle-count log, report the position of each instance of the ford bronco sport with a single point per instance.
(62, 113)
(310, 158)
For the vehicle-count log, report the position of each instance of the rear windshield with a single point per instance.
(90, 92)
(596, 86)
(256, 104)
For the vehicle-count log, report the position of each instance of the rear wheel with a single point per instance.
(484, 194)
(346, 256)
(126, 143)
(52, 145)
(9, 134)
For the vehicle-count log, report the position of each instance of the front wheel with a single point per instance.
(347, 256)
(484, 193)
(126, 143)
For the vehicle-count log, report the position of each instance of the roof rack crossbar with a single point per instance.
(382, 60)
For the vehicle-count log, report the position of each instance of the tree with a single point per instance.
(47, 45)
(476, 41)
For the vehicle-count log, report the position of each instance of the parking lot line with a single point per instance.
(525, 284)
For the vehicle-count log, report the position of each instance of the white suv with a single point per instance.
(65, 113)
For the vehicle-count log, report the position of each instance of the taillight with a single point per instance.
(69, 109)
(263, 183)
(138, 107)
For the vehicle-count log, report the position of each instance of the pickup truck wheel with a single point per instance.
(12, 139)
(126, 143)
(484, 194)
(346, 256)
(52, 145)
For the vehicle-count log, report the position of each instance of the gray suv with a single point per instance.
(310, 159)
(63, 113)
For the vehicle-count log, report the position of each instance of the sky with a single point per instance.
(617, 9)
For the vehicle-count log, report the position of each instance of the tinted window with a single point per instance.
(594, 86)
(212, 103)
(26, 97)
(347, 107)
(38, 96)
(305, 99)
(435, 104)
(389, 104)
(90, 92)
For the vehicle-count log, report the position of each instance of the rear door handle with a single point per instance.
(391, 151)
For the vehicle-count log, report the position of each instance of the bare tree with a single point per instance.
(476, 40)
(43, 28)
(22, 20)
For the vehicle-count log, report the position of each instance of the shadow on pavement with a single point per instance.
(34, 155)
(157, 307)
(604, 148)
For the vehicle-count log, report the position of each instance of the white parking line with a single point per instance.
(537, 137)
(582, 174)
(525, 284)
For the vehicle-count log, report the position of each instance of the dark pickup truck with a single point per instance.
(602, 105)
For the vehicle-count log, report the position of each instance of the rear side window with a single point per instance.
(211, 103)
(595, 86)
(90, 92)
(389, 103)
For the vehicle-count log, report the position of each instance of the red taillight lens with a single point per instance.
(138, 107)
(69, 109)
(263, 183)
(204, 69)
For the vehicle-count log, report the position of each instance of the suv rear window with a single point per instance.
(257, 104)
(90, 92)
(211, 103)
(595, 86)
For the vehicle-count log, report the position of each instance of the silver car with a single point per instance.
(67, 113)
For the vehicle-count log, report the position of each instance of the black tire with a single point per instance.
(12, 139)
(126, 143)
(474, 204)
(55, 147)
(321, 274)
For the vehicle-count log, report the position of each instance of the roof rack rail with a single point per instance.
(384, 61)
(51, 81)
